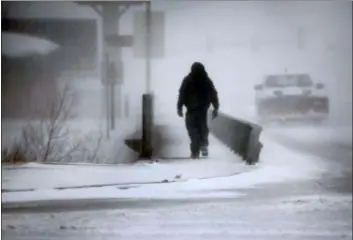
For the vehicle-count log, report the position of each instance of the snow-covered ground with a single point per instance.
(212, 177)
(319, 134)
(300, 217)
(277, 164)
(31, 176)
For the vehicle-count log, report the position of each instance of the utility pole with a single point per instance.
(111, 14)
(148, 47)
(105, 63)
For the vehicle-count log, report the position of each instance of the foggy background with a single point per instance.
(239, 43)
(300, 188)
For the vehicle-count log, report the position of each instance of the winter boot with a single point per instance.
(204, 151)
(195, 152)
(195, 155)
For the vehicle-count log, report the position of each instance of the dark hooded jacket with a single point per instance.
(197, 90)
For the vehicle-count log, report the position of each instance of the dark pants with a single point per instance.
(196, 125)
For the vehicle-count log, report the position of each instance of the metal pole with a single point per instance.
(126, 106)
(148, 46)
(146, 150)
(107, 96)
(110, 16)
(119, 99)
(118, 65)
(112, 105)
(114, 23)
(115, 96)
(104, 67)
(108, 110)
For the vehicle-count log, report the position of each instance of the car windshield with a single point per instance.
(297, 80)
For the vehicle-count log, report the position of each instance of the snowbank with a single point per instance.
(277, 164)
(30, 176)
(47, 176)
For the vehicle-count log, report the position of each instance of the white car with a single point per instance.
(291, 96)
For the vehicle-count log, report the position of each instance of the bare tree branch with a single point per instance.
(46, 139)
(50, 139)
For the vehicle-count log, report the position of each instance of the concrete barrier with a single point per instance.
(239, 135)
(143, 140)
(147, 126)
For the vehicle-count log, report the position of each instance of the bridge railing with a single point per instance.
(241, 136)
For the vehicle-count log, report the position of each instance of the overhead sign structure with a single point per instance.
(157, 35)
(111, 62)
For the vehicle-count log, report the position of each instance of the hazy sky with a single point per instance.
(239, 42)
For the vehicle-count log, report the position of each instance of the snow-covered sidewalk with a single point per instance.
(178, 167)
(48, 176)
(216, 177)
(53, 181)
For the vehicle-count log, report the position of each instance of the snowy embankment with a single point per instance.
(90, 133)
(277, 164)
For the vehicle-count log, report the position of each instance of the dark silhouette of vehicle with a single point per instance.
(291, 97)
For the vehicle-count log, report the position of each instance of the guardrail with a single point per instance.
(239, 135)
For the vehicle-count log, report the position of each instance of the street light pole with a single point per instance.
(110, 11)
(111, 15)
(148, 46)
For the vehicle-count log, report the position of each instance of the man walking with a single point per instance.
(197, 93)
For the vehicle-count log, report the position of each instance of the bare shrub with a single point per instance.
(14, 155)
(48, 138)
(52, 137)
(90, 146)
